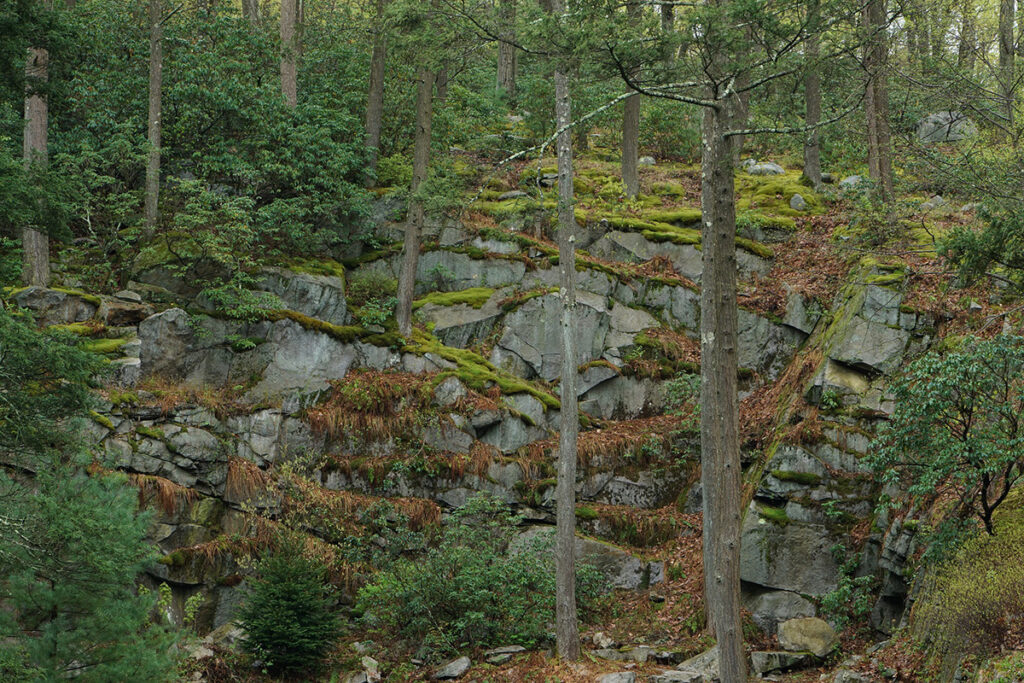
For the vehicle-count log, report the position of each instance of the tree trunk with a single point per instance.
(668, 20)
(289, 51)
(35, 244)
(968, 44)
(876, 101)
(1006, 58)
(508, 58)
(251, 11)
(375, 99)
(719, 419)
(812, 95)
(631, 132)
(156, 65)
(567, 636)
(442, 84)
(414, 220)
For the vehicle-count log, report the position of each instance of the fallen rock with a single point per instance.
(850, 676)
(769, 609)
(452, 670)
(646, 161)
(501, 655)
(798, 203)
(618, 677)
(808, 634)
(678, 677)
(778, 662)
(851, 182)
(513, 194)
(766, 168)
(703, 668)
(602, 641)
(55, 306)
(945, 126)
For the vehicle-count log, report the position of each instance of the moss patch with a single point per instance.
(770, 195)
(105, 346)
(474, 296)
(317, 267)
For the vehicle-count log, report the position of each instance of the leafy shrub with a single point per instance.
(288, 614)
(471, 588)
(377, 310)
(969, 603)
(365, 286)
(956, 426)
(853, 597)
(394, 171)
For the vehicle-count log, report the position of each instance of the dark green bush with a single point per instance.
(288, 614)
(471, 589)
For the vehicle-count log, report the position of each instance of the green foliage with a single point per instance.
(365, 286)
(853, 597)
(471, 588)
(998, 245)
(682, 398)
(71, 550)
(474, 296)
(956, 426)
(288, 614)
(968, 601)
(376, 311)
(44, 379)
(394, 171)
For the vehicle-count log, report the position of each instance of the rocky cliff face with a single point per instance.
(206, 412)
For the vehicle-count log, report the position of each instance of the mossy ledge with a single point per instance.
(474, 296)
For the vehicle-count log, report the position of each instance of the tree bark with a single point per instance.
(1007, 52)
(719, 419)
(442, 84)
(812, 95)
(35, 244)
(968, 44)
(375, 99)
(668, 21)
(876, 101)
(289, 51)
(631, 132)
(414, 219)
(508, 57)
(156, 65)
(567, 637)
(251, 11)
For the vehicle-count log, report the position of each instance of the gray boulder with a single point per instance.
(787, 556)
(797, 202)
(55, 306)
(703, 668)
(933, 203)
(461, 325)
(870, 346)
(946, 126)
(452, 670)
(318, 296)
(646, 161)
(766, 168)
(618, 677)
(768, 609)
(166, 338)
(851, 182)
(777, 662)
(807, 634)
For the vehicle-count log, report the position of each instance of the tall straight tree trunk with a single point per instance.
(719, 418)
(156, 65)
(812, 104)
(567, 636)
(414, 220)
(507, 56)
(631, 132)
(289, 51)
(668, 27)
(251, 11)
(968, 44)
(35, 244)
(876, 101)
(1007, 53)
(442, 84)
(375, 99)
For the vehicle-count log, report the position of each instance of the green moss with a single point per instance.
(668, 189)
(343, 333)
(476, 371)
(506, 208)
(885, 279)
(101, 420)
(91, 298)
(771, 194)
(317, 267)
(87, 328)
(370, 256)
(586, 513)
(685, 216)
(474, 296)
(122, 398)
(175, 559)
(151, 432)
(756, 219)
(773, 514)
(755, 248)
(105, 346)
(802, 478)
